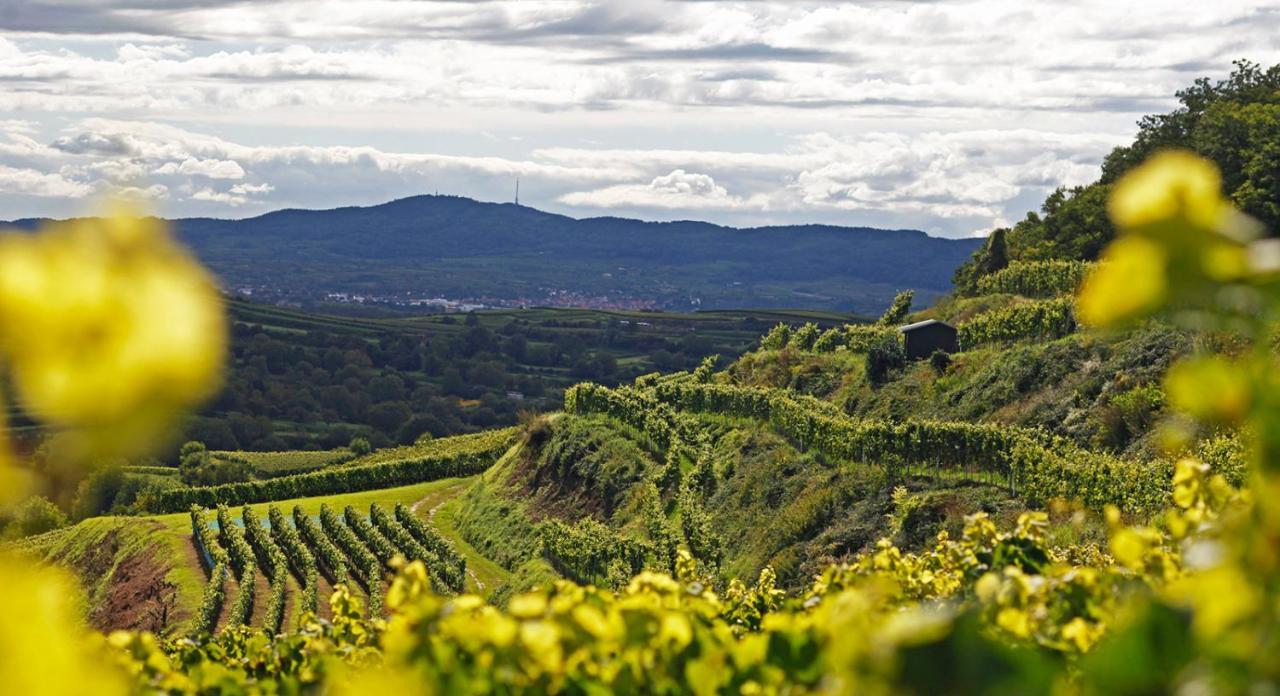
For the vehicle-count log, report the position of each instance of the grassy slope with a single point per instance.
(119, 559)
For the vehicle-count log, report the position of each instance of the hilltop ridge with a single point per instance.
(502, 254)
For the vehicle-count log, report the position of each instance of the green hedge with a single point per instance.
(329, 481)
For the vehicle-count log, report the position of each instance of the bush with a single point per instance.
(360, 446)
(883, 358)
(804, 337)
(36, 515)
(777, 338)
(940, 361)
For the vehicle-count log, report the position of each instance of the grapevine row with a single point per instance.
(591, 553)
(808, 338)
(379, 544)
(232, 538)
(211, 602)
(409, 547)
(453, 564)
(325, 549)
(1035, 278)
(277, 567)
(1045, 319)
(210, 553)
(366, 564)
(1038, 467)
(242, 607)
(303, 562)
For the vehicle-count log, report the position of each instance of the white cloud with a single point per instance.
(252, 189)
(33, 183)
(208, 168)
(678, 190)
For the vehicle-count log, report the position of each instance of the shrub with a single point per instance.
(36, 515)
(777, 338)
(360, 446)
(940, 361)
(883, 358)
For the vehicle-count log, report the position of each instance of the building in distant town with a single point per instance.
(924, 337)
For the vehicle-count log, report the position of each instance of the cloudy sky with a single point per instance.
(952, 117)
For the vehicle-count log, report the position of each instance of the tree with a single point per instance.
(898, 309)
(36, 515)
(198, 467)
(360, 446)
(388, 417)
(997, 253)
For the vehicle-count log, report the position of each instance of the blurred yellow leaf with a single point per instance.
(121, 328)
(1210, 388)
(43, 646)
(1173, 185)
(1129, 283)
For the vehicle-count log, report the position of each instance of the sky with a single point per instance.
(950, 117)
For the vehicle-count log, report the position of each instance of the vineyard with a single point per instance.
(1038, 279)
(267, 464)
(304, 558)
(1043, 320)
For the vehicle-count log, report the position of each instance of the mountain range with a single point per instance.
(509, 255)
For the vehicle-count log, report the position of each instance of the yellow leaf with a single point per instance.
(1129, 283)
(1171, 185)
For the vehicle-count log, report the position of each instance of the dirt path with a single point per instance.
(437, 499)
(229, 589)
(323, 590)
(261, 592)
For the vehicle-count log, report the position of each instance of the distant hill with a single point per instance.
(459, 248)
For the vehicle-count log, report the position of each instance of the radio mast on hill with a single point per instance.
(517, 190)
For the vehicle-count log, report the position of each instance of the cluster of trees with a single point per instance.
(299, 389)
(1235, 122)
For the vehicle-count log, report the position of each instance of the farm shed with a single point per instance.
(924, 337)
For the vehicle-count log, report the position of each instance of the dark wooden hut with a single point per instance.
(924, 337)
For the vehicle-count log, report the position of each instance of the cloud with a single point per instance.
(952, 117)
(208, 168)
(678, 190)
(251, 189)
(29, 182)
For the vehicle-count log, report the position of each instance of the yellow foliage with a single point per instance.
(44, 648)
(120, 329)
(1128, 283)
(1172, 185)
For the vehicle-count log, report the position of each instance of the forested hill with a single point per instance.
(459, 248)
(1234, 123)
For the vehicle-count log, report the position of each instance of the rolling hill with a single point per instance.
(511, 255)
